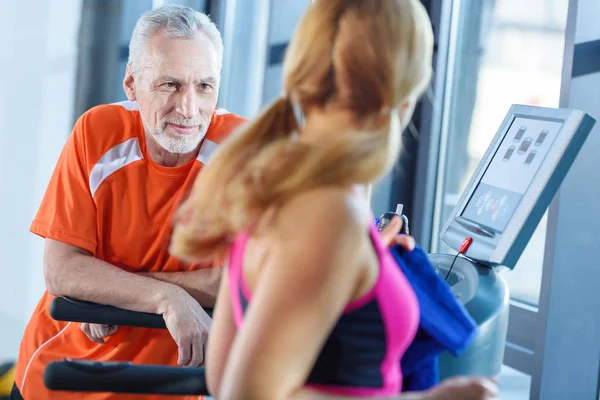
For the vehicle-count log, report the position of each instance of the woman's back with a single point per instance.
(322, 246)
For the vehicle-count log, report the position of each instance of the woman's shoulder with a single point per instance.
(320, 213)
(321, 232)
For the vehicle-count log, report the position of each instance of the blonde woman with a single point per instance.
(312, 304)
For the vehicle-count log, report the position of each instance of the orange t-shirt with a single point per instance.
(108, 197)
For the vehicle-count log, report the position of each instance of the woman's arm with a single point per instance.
(222, 334)
(221, 337)
(311, 273)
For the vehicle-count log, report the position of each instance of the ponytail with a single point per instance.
(222, 200)
(263, 166)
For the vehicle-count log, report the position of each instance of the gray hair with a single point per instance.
(173, 21)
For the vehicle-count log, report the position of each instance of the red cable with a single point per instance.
(464, 246)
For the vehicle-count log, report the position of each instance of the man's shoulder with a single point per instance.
(105, 126)
(223, 124)
(114, 115)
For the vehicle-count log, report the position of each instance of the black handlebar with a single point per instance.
(123, 377)
(68, 309)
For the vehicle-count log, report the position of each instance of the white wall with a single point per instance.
(38, 42)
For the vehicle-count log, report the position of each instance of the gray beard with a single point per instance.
(180, 144)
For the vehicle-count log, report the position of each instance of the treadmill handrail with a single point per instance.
(68, 309)
(123, 377)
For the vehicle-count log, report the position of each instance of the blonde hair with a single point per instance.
(366, 57)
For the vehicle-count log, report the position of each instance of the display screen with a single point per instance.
(510, 172)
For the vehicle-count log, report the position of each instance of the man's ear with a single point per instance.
(129, 83)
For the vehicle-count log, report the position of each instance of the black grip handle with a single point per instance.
(123, 377)
(68, 309)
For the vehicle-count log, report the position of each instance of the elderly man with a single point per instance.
(106, 215)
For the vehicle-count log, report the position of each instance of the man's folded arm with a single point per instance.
(202, 284)
(74, 272)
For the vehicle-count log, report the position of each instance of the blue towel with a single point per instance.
(444, 323)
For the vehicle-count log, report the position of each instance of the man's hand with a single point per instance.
(188, 324)
(97, 332)
(391, 237)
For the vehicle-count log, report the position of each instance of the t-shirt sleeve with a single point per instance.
(67, 212)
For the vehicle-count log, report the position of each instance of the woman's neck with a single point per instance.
(322, 123)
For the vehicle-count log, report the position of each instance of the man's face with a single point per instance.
(176, 86)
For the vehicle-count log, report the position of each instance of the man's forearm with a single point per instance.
(202, 284)
(87, 278)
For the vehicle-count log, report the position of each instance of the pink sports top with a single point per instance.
(361, 356)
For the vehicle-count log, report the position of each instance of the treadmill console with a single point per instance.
(515, 182)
